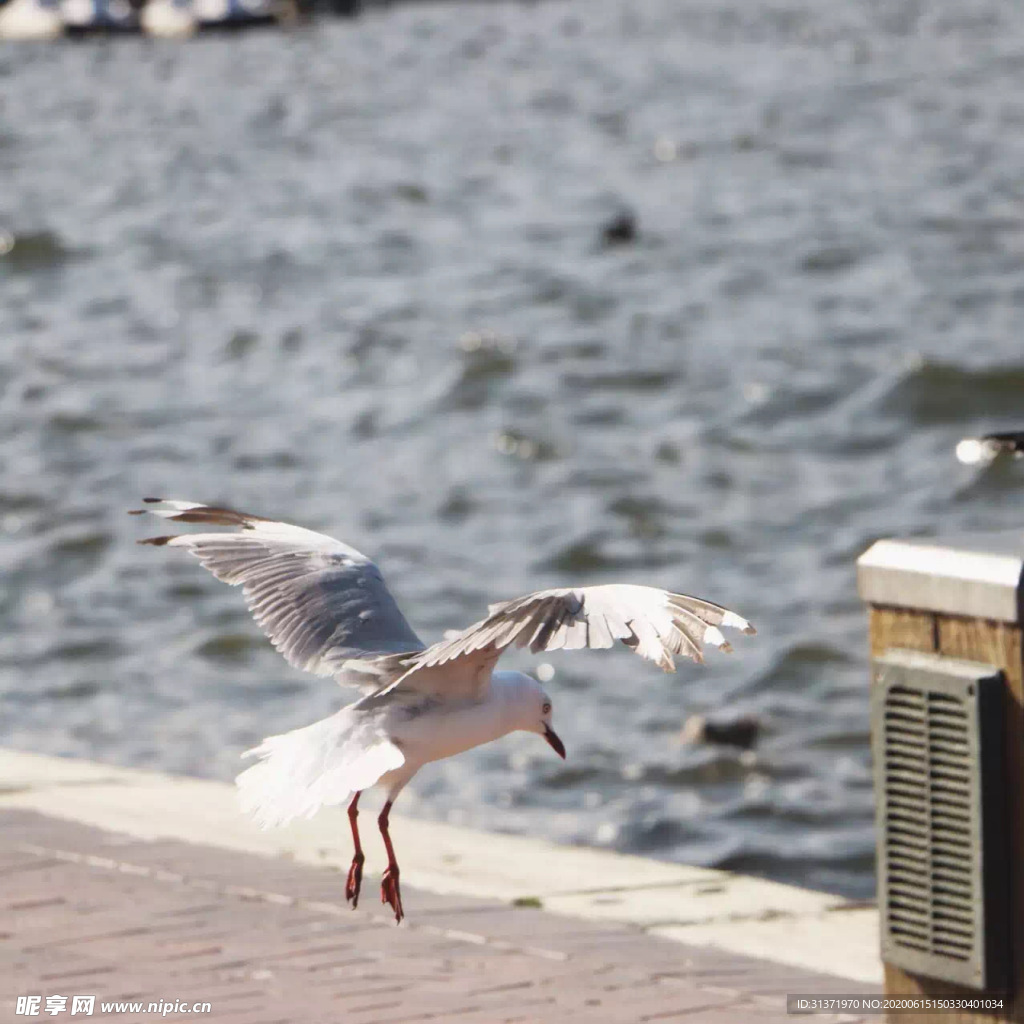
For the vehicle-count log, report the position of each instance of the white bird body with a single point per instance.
(311, 767)
(444, 729)
(327, 609)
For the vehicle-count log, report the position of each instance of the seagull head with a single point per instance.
(532, 705)
(542, 716)
(545, 727)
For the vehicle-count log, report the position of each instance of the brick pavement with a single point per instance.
(84, 911)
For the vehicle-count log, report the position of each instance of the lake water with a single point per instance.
(354, 275)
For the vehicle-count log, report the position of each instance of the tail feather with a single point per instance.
(319, 765)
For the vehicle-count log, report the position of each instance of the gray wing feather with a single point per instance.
(323, 605)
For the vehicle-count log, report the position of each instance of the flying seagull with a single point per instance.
(984, 449)
(326, 608)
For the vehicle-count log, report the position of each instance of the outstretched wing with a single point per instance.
(657, 624)
(324, 605)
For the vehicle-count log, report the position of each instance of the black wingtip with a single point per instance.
(152, 501)
(1009, 440)
(155, 541)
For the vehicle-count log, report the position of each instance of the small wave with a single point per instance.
(581, 556)
(33, 251)
(229, 648)
(73, 691)
(629, 380)
(569, 777)
(801, 664)
(75, 556)
(933, 393)
(655, 835)
(841, 870)
(703, 766)
(75, 423)
(86, 650)
(487, 359)
(646, 515)
(276, 460)
(457, 506)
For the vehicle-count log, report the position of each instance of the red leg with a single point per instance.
(355, 872)
(390, 892)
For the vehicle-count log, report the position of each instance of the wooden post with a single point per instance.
(961, 599)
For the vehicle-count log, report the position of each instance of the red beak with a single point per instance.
(556, 744)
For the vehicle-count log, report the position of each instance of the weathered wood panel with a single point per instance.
(900, 627)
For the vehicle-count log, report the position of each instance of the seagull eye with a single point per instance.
(546, 709)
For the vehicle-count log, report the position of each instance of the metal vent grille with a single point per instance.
(936, 733)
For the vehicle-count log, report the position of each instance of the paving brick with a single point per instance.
(272, 942)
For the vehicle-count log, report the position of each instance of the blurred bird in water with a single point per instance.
(327, 609)
(739, 732)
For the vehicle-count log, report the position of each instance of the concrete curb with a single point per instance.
(789, 925)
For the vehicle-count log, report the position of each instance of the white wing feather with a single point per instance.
(656, 624)
(320, 765)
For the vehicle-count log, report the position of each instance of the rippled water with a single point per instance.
(355, 275)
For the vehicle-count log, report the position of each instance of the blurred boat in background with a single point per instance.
(170, 19)
(81, 16)
(30, 20)
(235, 13)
